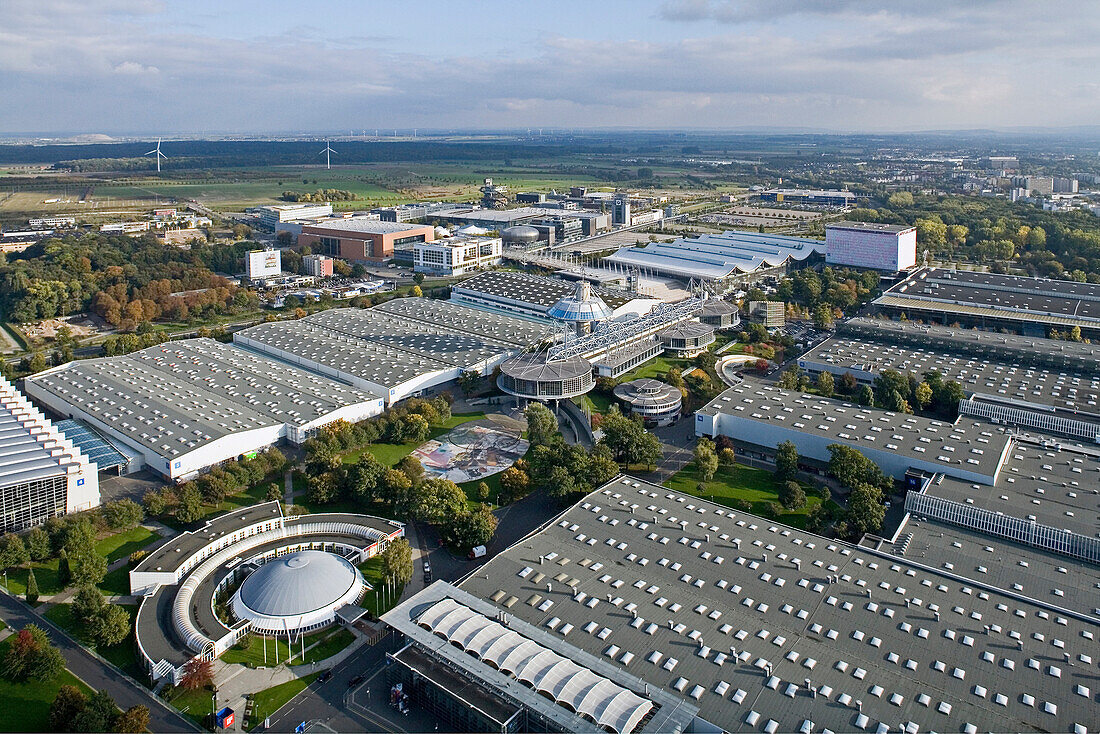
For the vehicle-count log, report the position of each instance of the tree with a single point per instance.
(866, 396)
(542, 424)
(122, 514)
(727, 456)
(88, 567)
(416, 292)
(274, 492)
(848, 383)
(12, 551)
(189, 508)
(197, 673)
(823, 317)
(439, 501)
(514, 483)
(706, 459)
(922, 394)
(64, 573)
(67, 704)
(790, 378)
(825, 384)
(477, 528)
(32, 587)
(866, 509)
(133, 720)
(786, 461)
(364, 479)
(156, 502)
(99, 714)
(38, 544)
(469, 380)
(792, 496)
(30, 656)
(396, 561)
(411, 467)
(482, 491)
(418, 278)
(900, 199)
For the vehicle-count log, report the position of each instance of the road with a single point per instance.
(98, 675)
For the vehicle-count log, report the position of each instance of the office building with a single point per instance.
(363, 240)
(319, 266)
(125, 227)
(42, 474)
(416, 212)
(270, 216)
(772, 314)
(52, 222)
(456, 255)
(1041, 185)
(1065, 185)
(620, 210)
(263, 264)
(887, 247)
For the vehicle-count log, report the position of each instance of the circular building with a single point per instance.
(581, 308)
(720, 314)
(297, 592)
(687, 338)
(532, 376)
(656, 403)
(521, 235)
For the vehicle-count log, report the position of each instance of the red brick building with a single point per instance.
(359, 239)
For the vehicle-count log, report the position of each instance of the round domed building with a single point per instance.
(298, 592)
(654, 401)
(687, 338)
(720, 314)
(534, 377)
(522, 235)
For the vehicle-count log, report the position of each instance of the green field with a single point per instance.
(758, 487)
(268, 701)
(325, 644)
(656, 368)
(195, 705)
(123, 655)
(26, 706)
(389, 454)
(45, 574)
(121, 545)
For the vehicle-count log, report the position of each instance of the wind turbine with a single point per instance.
(328, 151)
(159, 154)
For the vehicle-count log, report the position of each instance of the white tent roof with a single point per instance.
(571, 685)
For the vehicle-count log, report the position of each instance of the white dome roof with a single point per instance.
(298, 583)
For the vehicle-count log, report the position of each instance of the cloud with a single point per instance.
(848, 64)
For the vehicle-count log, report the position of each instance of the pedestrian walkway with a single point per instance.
(235, 682)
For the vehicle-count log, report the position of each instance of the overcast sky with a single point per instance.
(144, 66)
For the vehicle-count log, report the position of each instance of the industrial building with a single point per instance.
(1031, 306)
(886, 247)
(531, 296)
(1036, 397)
(359, 239)
(813, 197)
(719, 257)
(695, 611)
(291, 575)
(456, 255)
(192, 404)
(396, 349)
(42, 473)
(761, 416)
(270, 216)
(415, 212)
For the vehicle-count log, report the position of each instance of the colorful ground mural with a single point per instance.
(470, 452)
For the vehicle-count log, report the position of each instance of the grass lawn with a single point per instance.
(389, 454)
(123, 655)
(597, 402)
(755, 486)
(121, 545)
(372, 602)
(26, 706)
(656, 368)
(268, 701)
(45, 574)
(195, 705)
(326, 644)
(116, 583)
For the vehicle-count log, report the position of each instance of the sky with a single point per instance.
(122, 67)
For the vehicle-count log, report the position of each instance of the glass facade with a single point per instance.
(32, 503)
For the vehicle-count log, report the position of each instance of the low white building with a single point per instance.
(456, 255)
(189, 405)
(272, 215)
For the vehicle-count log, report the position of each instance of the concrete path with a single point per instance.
(235, 682)
(288, 487)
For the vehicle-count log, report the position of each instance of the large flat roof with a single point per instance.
(400, 340)
(534, 289)
(1057, 485)
(973, 445)
(176, 396)
(364, 225)
(500, 216)
(718, 255)
(1001, 381)
(685, 594)
(1002, 296)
